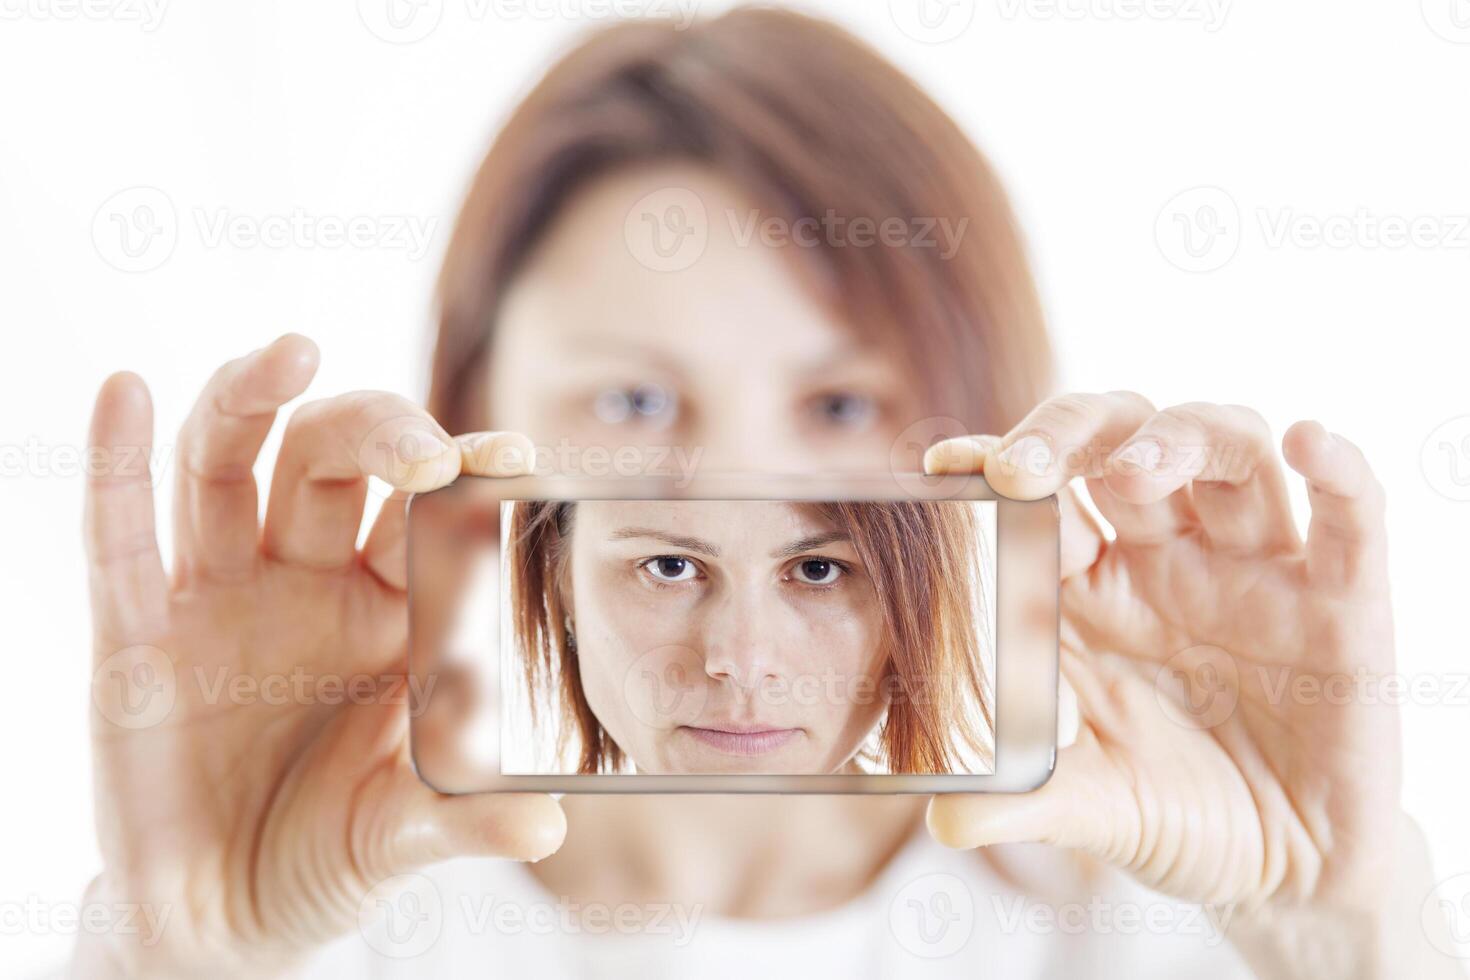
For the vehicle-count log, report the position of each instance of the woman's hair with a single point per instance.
(924, 561)
(810, 123)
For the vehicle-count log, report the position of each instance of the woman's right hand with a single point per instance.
(249, 717)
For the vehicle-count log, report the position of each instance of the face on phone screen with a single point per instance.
(747, 637)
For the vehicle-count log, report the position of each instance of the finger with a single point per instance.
(494, 454)
(1063, 438)
(1069, 713)
(1225, 455)
(1082, 539)
(385, 553)
(403, 823)
(1071, 436)
(129, 588)
(963, 454)
(418, 825)
(432, 827)
(975, 820)
(1060, 812)
(497, 454)
(1346, 537)
(1077, 806)
(216, 518)
(329, 450)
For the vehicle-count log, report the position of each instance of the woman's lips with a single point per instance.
(744, 742)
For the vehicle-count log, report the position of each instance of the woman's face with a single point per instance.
(724, 636)
(614, 363)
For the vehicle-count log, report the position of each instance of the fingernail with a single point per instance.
(1029, 454)
(1141, 456)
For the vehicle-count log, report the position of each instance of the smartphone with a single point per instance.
(877, 633)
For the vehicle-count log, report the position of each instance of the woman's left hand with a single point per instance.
(1235, 745)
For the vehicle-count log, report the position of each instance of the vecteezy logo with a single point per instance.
(906, 457)
(1198, 230)
(1445, 916)
(932, 21)
(932, 916)
(400, 21)
(135, 230)
(401, 916)
(1450, 19)
(667, 230)
(406, 453)
(1445, 459)
(665, 687)
(135, 687)
(1198, 687)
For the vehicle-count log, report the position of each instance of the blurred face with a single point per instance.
(722, 362)
(724, 636)
(726, 364)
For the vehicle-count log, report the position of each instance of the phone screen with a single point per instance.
(747, 636)
(894, 638)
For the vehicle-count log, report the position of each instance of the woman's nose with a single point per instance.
(738, 638)
(748, 442)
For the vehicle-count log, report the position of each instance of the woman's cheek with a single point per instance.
(636, 617)
(639, 669)
(831, 653)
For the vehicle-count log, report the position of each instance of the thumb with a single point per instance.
(968, 820)
(429, 827)
(1072, 809)
(423, 827)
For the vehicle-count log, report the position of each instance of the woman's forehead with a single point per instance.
(732, 520)
(588, 292)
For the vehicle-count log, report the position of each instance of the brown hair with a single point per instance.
(808, 121)
(923, 560)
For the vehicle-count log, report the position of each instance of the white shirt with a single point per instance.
(931, 912)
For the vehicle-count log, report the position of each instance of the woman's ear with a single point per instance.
(564, 593)
(560, 601)
(568, 620)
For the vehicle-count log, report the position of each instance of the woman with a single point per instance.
(799, 638)
(585, 302)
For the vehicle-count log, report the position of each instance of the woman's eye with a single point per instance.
(648, 403)
(671, 568)
(817, 571)
(845, 409)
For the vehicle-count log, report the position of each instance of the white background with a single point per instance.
(1098, 114)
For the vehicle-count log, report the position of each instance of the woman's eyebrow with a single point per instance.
(808, 543)
(677, 540)
(597, 346)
